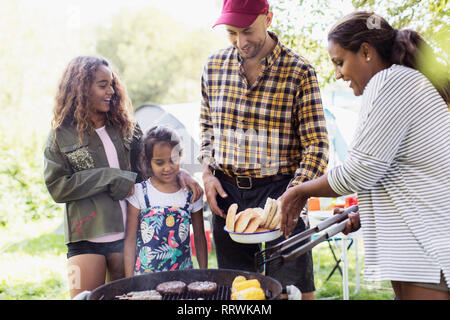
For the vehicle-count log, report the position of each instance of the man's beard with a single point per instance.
(256, 51)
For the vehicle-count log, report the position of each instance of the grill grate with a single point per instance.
(222, 293)
(222, 277)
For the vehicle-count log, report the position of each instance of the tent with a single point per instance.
(184, 119)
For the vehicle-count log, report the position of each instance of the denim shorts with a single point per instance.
(88, 247)
(441, 286)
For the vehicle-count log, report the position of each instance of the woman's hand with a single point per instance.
(292, 203)
(353, 224)
(185, 179)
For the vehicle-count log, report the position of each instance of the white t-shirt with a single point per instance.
(158, 198)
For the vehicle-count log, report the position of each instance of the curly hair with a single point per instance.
(71, 101)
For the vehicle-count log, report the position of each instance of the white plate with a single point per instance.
(256, 237)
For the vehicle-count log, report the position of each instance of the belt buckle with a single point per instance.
(249, 179)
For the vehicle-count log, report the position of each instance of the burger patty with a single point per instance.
(202, 287)
(141, 295)
(171, 287)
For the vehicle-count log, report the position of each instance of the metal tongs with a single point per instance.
(276, 254)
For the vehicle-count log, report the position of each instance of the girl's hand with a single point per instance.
(129, 244)
(200, 243)
(185, 179)
(353, 224)
(292, 203)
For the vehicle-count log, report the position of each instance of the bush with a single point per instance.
(23, 194)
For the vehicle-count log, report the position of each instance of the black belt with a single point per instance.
(247, 182)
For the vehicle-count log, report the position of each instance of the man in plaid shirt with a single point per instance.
(262, 129)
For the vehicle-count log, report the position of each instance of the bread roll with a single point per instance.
(231, 217)
(276, 221)
(242, 220)
(254, 219)
(260, 211)
(267, 207)
(271, 207)
(254, 223)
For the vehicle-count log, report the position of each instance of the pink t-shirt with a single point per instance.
(113, 160)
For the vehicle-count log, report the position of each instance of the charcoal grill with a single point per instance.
(223, 277)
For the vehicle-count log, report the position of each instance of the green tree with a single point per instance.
(34, 48)
(431, 18)
(300, 22)
(158, 58)
(302, 26)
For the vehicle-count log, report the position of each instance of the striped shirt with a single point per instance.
(275, 126)
(399, 165)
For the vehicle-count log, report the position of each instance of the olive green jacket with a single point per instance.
(79, 176)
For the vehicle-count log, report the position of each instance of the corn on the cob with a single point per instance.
(237, 280)
(251, 293)
(254, 283)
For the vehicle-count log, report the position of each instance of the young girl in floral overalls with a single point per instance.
(160, 212)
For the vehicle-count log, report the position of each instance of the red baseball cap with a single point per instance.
(241, 13)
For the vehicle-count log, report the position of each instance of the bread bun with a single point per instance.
(270, 209)
(231, 217)
(276, 221)
(260, 211)
(266, 211)
(254, 223)
(253, 220)
(242, 220)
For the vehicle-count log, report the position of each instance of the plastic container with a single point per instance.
(351, 201)
(313, 204)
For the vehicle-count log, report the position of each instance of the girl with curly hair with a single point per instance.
(90, 164)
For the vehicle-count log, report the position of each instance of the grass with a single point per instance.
(33, 262)
(33, 267)
(332, 289)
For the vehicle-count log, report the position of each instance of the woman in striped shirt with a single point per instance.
(399, 163)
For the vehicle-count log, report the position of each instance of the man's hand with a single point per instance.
(185, 179)
(292, 203)
(212, 188)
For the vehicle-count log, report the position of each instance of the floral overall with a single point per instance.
(163, 238)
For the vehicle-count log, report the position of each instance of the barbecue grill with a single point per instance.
(223, 277)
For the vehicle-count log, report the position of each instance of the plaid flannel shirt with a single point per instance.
(275, 126)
